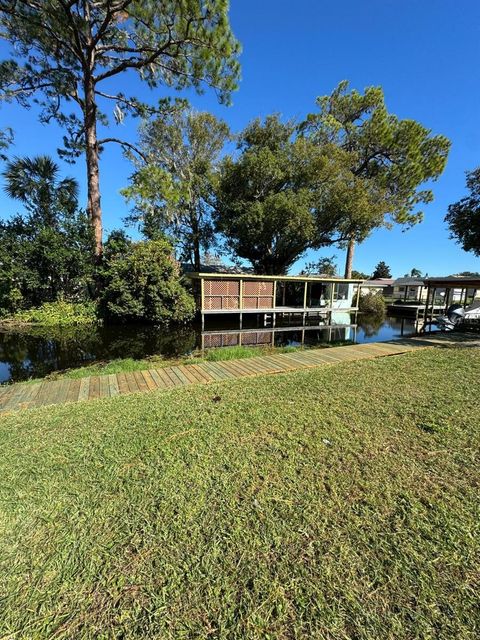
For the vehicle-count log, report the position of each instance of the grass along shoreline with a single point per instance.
(332, 503)
(126, 365)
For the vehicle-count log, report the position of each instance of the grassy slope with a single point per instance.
(337, 503)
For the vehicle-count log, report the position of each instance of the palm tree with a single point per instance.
(35, 183)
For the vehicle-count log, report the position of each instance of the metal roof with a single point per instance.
(249, 276)
(378, 282)
(453, 282)
(410, 282)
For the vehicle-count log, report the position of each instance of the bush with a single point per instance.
(372, 303)
(58, 313)
(142, 284)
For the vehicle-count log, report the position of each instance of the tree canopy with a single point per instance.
(66, 53)
(282, 195)
(142, 284)
(392, 157)
(173, 184)
(45, 252)
(322, 266)
(463, 217)
(414, 273)
(382, 270)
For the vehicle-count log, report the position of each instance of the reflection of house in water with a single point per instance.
(341, 327)
(273, 301)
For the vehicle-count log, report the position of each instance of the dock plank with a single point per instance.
(132, 382)
(104, 387)
(184, 380)
(94, 391)
(174, 379)
(187, 372)
(84, 390)
(168, 382)
(202, 372)
(74, 390)
(150, 382)
(113, 385)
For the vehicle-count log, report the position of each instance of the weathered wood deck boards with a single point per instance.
(23, 396)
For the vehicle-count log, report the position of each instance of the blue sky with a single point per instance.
(424, 53)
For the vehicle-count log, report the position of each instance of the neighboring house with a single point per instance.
(409, 289)
(380, 285)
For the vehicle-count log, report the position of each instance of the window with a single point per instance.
(340, 291)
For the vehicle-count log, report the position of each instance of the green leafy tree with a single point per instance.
(325, 266)
(142, 284)
(382, 270)
(392, 157)
(414, 273)
(6, 139)
(71, 53)
(359, 275)
(173, 184)
(35, 183)
(463, 217)
(45, 252)
(372, 304)
(280, 196)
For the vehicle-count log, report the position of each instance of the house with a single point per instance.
(379, 285)
(273, 296)
(410, 289)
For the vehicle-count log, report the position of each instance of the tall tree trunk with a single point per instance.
(197, 265)
(195, 226)
(94, 209)
(349, 258)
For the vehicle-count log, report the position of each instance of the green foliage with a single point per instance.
(324, 266)
(279, 197)
(59, 48)
(172, 186)
(64, 56)
(241, 352)
(142, 284)
(372, 304)
(45, 253)
(359, 275)
(58, 314)
(414, 273)
(382, 270)
(264, 201)
(463, 217)
(6, 139)
(392, 158)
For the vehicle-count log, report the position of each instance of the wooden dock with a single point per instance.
(49, 392)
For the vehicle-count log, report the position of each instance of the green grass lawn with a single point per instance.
(338, 503)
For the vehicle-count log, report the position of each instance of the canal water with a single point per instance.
(34, 353)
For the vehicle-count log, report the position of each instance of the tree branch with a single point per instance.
(125, 144)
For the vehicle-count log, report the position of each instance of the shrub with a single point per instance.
(58, 313)
(372, 303)
(142, 284)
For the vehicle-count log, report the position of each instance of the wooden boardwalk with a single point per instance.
(49, 392)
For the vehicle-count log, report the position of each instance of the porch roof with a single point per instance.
(452, 282)
(250, 276)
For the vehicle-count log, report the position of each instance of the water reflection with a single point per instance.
(37, 352)
(380, 329)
